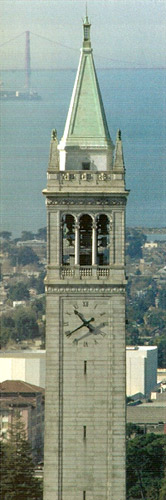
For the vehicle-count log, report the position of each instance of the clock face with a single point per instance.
(85, 321)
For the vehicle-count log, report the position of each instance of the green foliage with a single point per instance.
(17, 469)
(162, 298)
(23, 323)
(149, 297)
(19, 291)
(137, 272)
(27, 235)
(42, 234)
(135, 239)
(136, 311)
(6, 235)
(5, 335)
(23, 256)
(161, 344)
(26, 255)
(40, 283)
(7, 246)
(144, 471)
(7, 329)
(162, 494)
(156, 318)
(37, 283)
(26, 326)
(39, 307)
(132, 428)
(132, 337)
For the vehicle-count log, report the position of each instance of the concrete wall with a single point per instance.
(141, 369)
(100, 161)
(26, 366)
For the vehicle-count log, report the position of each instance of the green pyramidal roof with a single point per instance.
(86, 121)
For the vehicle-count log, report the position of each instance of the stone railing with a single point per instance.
(85, 272)
(80, 177)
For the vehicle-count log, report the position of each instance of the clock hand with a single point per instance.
(97, 330)
(68, 333)
(75, 341)
(86, 323)
(80, 315)
(92, 329)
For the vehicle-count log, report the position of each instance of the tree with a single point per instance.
(42, 234)
(26, 326)
(135, 240)
(149, 298)
(132, 335)
(7, 329)
(19, 291)
(26, 255)
(162, 494)
(162, 298)
(156, 318)
(40, 283)
(39, 307)
(17, 470)
(161, 343)
(133, 429)
(27, 235)
(6, 235)
(144, 472)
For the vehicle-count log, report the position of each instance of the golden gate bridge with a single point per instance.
(28, 93)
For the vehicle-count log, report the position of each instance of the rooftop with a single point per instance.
(18, 386)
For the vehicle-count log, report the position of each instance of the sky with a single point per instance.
(124, 33)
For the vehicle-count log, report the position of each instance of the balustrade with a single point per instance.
(85, 272)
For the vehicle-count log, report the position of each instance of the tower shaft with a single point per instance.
(85, 293)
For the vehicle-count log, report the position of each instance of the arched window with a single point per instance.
(68, 240)
(85, 240)
(103, 240)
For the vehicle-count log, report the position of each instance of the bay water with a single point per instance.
(134, 101)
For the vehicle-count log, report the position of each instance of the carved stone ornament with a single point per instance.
(84, 201)
(94, 290)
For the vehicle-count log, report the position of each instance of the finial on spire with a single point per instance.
(86, 28)
(86, 9)
(119, 160)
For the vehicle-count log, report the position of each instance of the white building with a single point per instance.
(28, 366)
(141, 369)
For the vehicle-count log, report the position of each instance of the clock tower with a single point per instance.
(85, 292)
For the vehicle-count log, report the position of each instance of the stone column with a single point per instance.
(94, 244)
(77, 244)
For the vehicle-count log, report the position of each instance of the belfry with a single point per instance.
(85, 293)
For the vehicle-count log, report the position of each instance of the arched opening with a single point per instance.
(85, 240)
(103, 240)
(68, 240)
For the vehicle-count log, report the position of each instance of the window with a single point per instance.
(84, 495)
(84, 432)
(85, 240)
(103, 240)
(68, 240)
(85, 367)
(86, 165)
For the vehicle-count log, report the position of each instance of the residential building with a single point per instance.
(27, 400)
